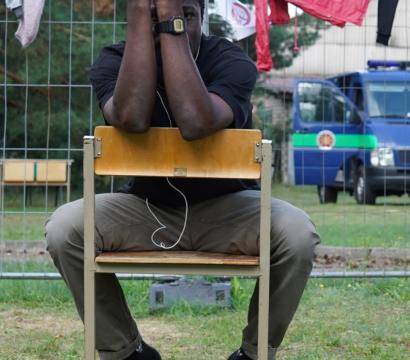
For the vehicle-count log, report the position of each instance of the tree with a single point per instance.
(39, 116)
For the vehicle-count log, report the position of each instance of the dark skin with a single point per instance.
(197, 112)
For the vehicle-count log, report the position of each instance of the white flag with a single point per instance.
(240, 16)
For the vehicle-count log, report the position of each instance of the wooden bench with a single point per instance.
(163, 152)
(36, 172)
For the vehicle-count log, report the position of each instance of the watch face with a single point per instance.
(179, 25)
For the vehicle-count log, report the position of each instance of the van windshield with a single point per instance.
(389, 99)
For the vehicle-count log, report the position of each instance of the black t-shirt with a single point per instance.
(226, 71)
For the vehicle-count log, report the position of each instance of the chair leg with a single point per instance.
(89, 314)
(263, 315)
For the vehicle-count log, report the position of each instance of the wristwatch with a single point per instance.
(175, 25)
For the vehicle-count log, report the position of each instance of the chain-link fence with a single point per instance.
(332, 137)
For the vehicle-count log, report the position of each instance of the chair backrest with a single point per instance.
(230, 153)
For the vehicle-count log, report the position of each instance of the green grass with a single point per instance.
(337, 319)
(386, 224)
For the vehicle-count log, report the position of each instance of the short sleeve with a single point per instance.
(104, 73)
(233, 80)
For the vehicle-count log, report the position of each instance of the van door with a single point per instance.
(326, 129)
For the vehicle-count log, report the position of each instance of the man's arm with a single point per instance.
(197, 112)
(133, 101)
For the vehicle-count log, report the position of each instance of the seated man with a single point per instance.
(168, 74)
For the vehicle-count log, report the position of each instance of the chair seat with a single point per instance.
(176, 258)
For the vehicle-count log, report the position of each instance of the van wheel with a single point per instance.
(362, 192)
(327, 194)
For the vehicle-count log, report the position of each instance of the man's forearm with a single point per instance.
(194, 109)
(134, 96)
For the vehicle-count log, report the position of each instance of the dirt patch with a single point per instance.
(22, 323)
(24, 320)
(327, 257)
(346, 258)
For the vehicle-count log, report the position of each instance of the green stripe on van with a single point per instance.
(342, 141)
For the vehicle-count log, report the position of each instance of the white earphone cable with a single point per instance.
(161, 244)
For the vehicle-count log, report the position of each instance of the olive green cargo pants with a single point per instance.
(227, 224)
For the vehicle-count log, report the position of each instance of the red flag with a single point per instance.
(264, 58)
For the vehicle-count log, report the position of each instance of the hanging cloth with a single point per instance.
(279, 13)
(29, 24)
(16, 6)
(263, 55)
(336, 12)
(385, 18)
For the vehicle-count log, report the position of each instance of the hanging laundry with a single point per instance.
(16, 6)
(385, 18)
(264, 57)
(29, 24)
(279, 13)
(336, 12)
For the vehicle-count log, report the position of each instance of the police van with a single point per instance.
(351, 133)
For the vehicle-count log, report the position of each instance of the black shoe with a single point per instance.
(239, 355)
(144, 352)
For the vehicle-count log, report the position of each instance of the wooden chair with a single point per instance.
(163, 152)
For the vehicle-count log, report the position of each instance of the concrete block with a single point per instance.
(194, 292)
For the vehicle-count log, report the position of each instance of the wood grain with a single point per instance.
(18, 171)
(163, 152)
(51, 171)
(176, 258)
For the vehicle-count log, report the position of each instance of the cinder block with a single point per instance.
(195, 292)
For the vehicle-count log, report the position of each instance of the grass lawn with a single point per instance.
(386, 224)
(337, 319)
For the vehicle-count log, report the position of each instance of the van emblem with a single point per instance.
(326, 140)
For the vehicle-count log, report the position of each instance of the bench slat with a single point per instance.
(51, 171)
(176, 257)
(18, 171)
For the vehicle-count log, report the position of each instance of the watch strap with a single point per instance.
(163, 27)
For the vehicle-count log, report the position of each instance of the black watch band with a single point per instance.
(176, 25)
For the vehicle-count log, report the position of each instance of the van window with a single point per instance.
(319, 102)
(389, 99)
(358, 96)
(342, 110)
